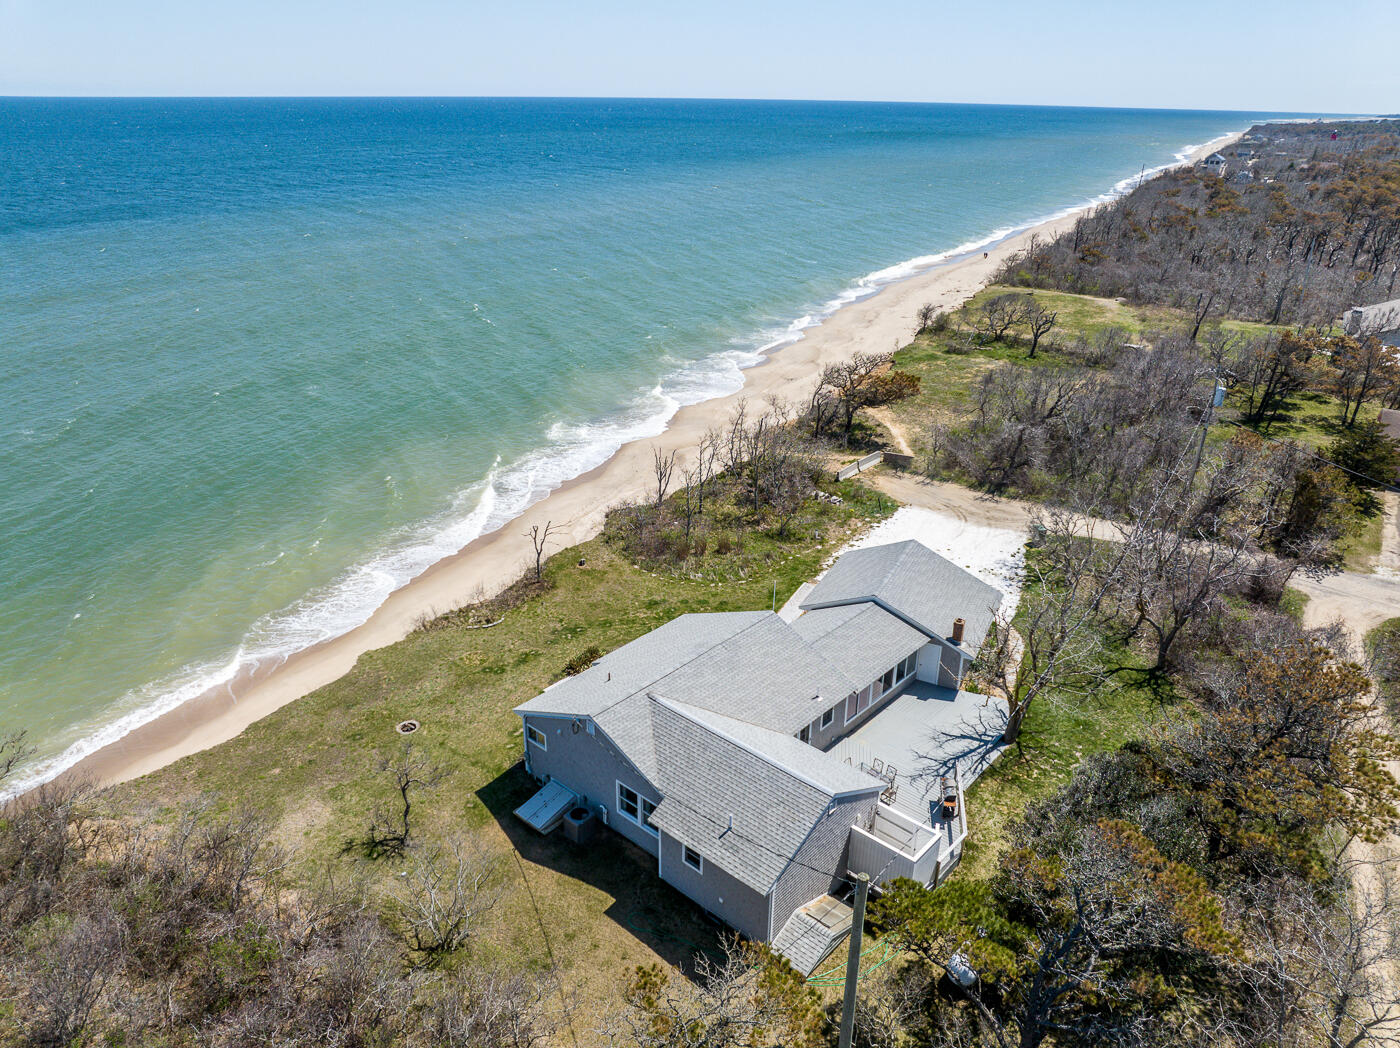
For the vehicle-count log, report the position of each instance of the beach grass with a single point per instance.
(592, 912)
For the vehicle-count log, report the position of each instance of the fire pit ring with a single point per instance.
(407, 727)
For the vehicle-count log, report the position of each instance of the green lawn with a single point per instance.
(949, 364)
(1312, 419)
(1382, 646)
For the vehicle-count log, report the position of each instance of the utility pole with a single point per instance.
(1217, 397)
(848, 1010)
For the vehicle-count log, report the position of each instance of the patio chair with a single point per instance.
(877, 766)
(889, 793)
(890, 773)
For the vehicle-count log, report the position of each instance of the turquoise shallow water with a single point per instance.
(267, 360)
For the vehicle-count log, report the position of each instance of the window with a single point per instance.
(887, 681)
(636, 808)
(805, 735)
(692, 858)
(906, 666)
(828, 717)
(536, 736)
(852, 707)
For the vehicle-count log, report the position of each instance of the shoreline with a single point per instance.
(867, 323)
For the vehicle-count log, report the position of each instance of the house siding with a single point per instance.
(824, 737)
(941, 665)
(950, 669)
(824, 850)
(735, 903)
(592, 766)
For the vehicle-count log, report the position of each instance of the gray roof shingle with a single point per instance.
(742, 796)
(863, 640)
(748, 665)
(915, 583)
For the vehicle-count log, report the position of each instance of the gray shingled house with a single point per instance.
(729, 745)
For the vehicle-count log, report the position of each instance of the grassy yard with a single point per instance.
(949, 364)
(1382, 648)
(1313, 420)
(309, 768)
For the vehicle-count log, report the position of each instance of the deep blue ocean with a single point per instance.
(265, 360)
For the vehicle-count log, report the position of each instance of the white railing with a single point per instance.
(883, 860)
(931, 851)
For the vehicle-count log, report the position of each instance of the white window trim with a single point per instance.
(829, 718)
(542, 741)
(698, 865)
(640, 819)
(804, 734)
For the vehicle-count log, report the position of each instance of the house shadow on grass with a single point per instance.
(643, 905)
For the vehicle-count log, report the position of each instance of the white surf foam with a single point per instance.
(505, 493)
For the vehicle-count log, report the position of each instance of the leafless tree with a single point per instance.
(663, 467)
(731, 1003)
(850, 380)
(1040, 321)
(1057, 648)
(445, 892)
(13, 750)
(1187, 546)
(539, 537)
(390, 829)
(484, 1008)
(823, 405)
(890, 1012)
(925, 317)
(1000, 314)
(66, 977)
(1314, 970)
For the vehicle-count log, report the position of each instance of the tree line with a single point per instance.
(1299, 228)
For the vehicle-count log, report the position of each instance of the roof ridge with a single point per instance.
(683, 709)
(699, 654)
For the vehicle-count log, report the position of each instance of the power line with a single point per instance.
(1388, 485)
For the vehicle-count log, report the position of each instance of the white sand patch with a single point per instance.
(995, 555)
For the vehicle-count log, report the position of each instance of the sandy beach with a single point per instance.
(577, 510)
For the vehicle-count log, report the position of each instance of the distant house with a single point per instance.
(763, 762)
(1381, 320)
(1216, 165)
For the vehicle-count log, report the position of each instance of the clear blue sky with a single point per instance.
(1296, 55)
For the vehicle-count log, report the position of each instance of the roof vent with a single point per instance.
(958, 626)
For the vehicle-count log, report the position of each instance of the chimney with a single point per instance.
(958, 626)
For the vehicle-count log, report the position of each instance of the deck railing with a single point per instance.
(932, 850)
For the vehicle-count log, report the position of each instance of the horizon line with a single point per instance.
(1320, 114)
